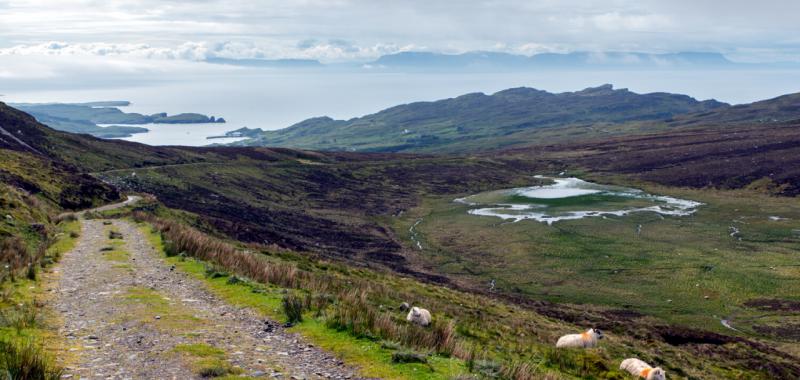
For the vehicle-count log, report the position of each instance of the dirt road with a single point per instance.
(129, 315)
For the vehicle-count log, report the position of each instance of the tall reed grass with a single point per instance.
(16, 257)
(351, 310)
(23, 359)
(355, 314)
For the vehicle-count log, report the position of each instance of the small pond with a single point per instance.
(572, 198)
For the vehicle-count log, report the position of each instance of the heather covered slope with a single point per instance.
(320, 203)
(34, 189)
(763, 156)
(82, 151)
(479, 122)
(27, 164)
(782, 109)
(300, 200)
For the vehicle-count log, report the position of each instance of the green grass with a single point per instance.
(667, 271)
(199, 349)
(116, 255)
(152, 307)
(27, 327)
(502, 332)
(25, 359)
(114, 250)
(70, 231)
(207, 360)
(369, 356)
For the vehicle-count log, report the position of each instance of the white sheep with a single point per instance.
(587, 339)
(419, 316)
(641, 369)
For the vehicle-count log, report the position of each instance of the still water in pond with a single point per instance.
(572, 198)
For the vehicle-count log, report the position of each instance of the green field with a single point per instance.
(687, 270)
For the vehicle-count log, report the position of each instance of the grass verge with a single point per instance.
(29, 342)
(372, 359)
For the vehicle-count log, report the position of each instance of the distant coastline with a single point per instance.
(87, 118)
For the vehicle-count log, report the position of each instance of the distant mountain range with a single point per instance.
(480, 122)
(276, 63)
(492, 60)
(487, 61)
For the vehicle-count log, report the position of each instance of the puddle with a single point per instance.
(413, 232)
(570, 199)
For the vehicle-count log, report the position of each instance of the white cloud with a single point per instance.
(532, 48)
(336, 30)
(188, 51)
(329, 51)
(616, 21)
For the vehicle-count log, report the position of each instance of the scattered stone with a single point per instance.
(106, 222)
(39, 228)
(232, 280)
(409, 357)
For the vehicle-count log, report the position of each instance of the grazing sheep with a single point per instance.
(641, 369)
(419, 316)
(404, 306)
(586, 339)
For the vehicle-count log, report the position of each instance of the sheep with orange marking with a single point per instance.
(588, 339)
(641, 369)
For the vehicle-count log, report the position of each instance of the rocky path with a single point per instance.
(129, 315)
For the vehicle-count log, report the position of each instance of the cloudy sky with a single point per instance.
(348, 30)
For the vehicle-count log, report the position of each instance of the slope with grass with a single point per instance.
(693, 270)
(479, 122)
(490, 335)
(357, 209)
(29, 344)
(764, 157)
(34, 190)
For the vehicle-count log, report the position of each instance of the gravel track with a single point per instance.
(112, 324)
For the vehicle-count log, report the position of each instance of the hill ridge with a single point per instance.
(439, 125)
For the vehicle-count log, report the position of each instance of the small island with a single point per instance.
(117, 131)
(241, 132)
(184, 118)
(87, 118)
